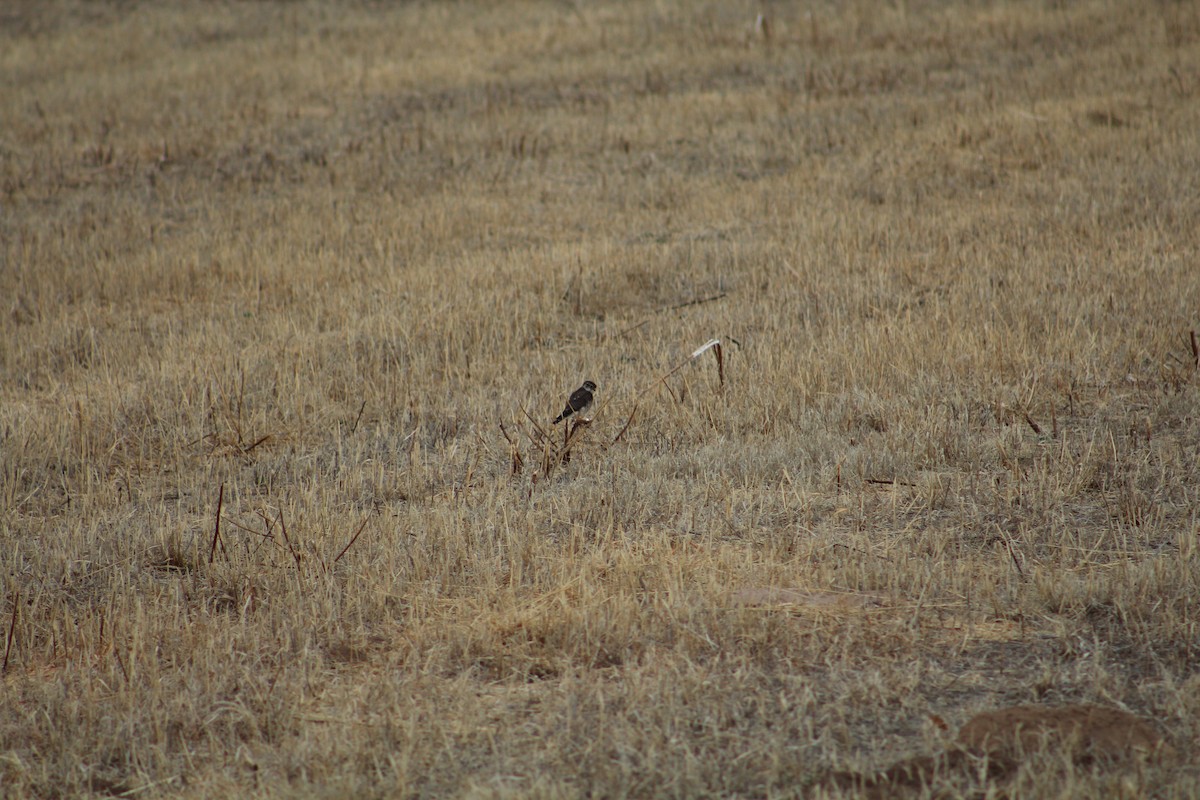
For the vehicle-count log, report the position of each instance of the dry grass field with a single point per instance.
(290, 292)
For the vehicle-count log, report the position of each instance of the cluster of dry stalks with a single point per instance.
(552, 453)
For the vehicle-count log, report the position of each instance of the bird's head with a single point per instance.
(589, 385)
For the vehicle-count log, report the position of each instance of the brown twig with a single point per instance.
(212, 550)
(628, 422)
(1011, 553)
(250, 447)
(275, 676)
(854, 549)
(1036, 428)
(667, 386)
(240, 398)
(354, 427)
(353, 539)
(695, 302)
(517, 461)
(675, 307)
(1195, 349)
(631, 328)
(886, 482)
(12, 630)
(564, 455)
(569, 440)
(1178, 80)
(507, 438)
(264, 534)
(1016, 561)
(288, 542)
(536, 427)
(120, 663)
(466, 483)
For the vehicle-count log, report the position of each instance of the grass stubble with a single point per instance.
(288, 290)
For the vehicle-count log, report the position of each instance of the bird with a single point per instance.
(578, 402)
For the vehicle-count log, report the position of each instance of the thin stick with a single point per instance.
(353, 539)
(288, 542)
(1177, 359)
(886, 482)
(536, 426)
(696, 302)
(1036, 428)
(1195, 349)
(1178, 79)
(466, 485)
(668, 387)
(354, 427)
(12, 630)
(575, 427)
(275, 678)
(212, 551)
(507, 438)
(1011, 553)
(241, 396)
(627, 424)
(517, 461)
(665, 309)
(631, 329)
(120, 663)
(695, 354)
(860, 550)
(262, 534)
(250, 447)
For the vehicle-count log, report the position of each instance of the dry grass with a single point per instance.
(308, 259)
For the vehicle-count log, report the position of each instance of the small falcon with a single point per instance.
(580, 401)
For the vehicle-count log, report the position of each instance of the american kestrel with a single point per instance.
(579, 401)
